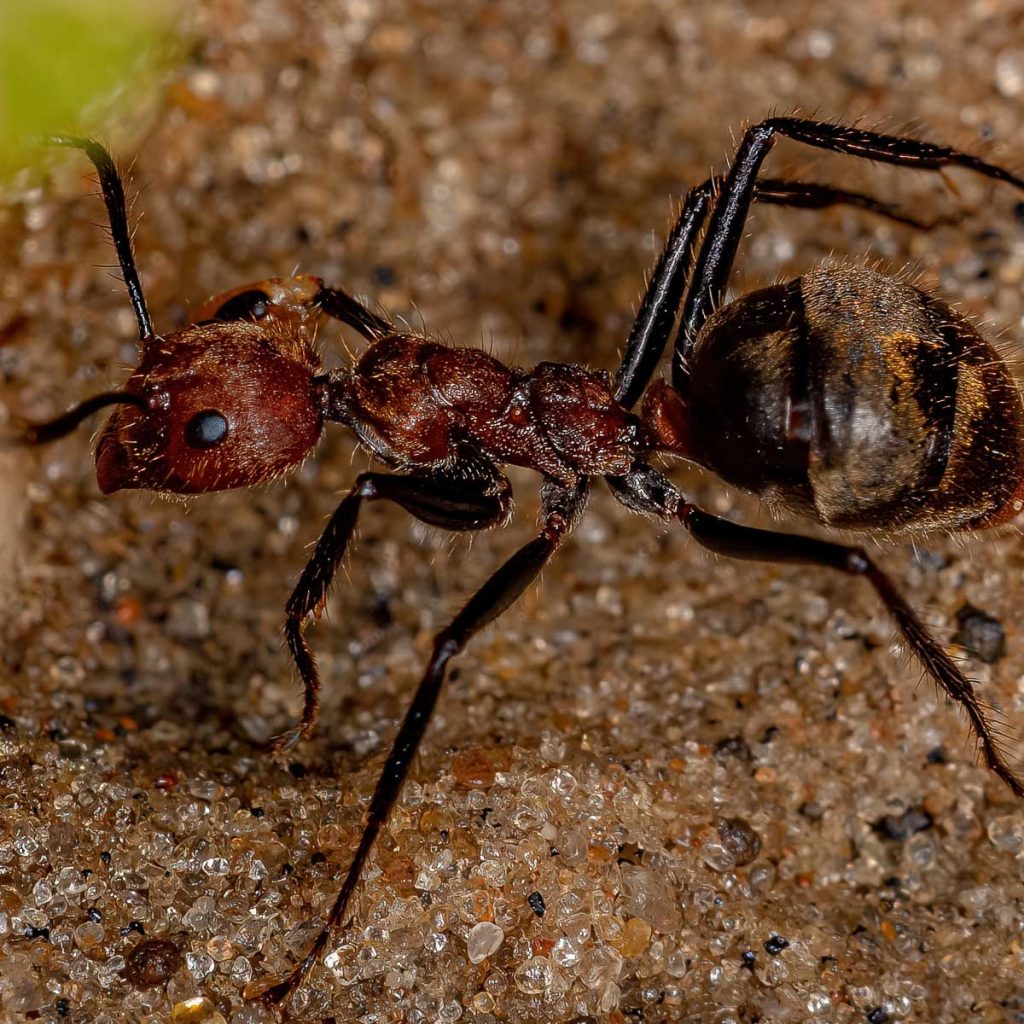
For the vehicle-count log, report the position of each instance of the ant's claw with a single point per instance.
(285, 742)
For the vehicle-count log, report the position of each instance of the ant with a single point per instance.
(853, 399)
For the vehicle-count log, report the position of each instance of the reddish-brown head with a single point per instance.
(229, 401)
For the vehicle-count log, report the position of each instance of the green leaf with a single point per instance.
(58, 57)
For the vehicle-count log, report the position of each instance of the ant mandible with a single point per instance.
(851, 398)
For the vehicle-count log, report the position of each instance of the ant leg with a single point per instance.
(718, 249)
(810, 195)
(342, 306)
(745, 542)
(468, 504)
(113, 196)
(648, 491)
(563, 507)
(660, 305)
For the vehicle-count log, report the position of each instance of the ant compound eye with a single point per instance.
(206, 429)
(250, 305)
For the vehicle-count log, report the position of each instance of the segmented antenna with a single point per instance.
(113, 196)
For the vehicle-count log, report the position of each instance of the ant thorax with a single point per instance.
(417, 402)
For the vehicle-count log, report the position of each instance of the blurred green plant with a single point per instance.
(59, 59)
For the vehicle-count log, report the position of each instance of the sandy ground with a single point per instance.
(500, 173)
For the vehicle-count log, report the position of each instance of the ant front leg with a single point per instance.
(452, 504)
(725, 228)
(562, 508)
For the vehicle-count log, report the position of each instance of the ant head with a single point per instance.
(231, 400)
(236, 398)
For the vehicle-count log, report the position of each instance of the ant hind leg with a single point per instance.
(748, 543)
(728, 218)
(660, 306)
(647, 491)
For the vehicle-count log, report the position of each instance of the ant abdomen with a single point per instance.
(855, 399)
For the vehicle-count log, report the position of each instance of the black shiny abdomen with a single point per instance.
(859, 400)
(751, 389)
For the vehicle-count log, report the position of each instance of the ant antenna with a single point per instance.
(51, 430)
(113, 196)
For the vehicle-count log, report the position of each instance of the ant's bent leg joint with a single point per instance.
(446, 646)
(764, 130)
(643, 489)
(366, 486)
(555, 527)
(857, 562)
(471, 504)
(737, 541)
(562, 506)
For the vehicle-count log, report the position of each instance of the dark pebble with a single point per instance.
(739, 839)
(775, 945)
(735, 747)
(980, 634)
(900, 827)
(152, 963)
(536, 901)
